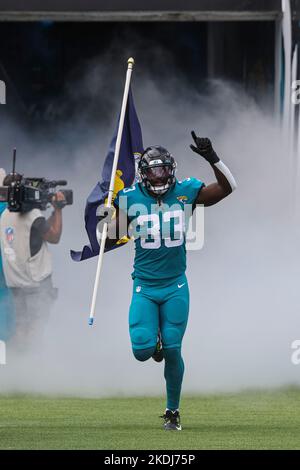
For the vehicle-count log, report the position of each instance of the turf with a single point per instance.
(249, 420)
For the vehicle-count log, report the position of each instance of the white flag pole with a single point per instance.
(111, 185)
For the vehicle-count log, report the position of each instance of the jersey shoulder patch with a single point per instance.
(190, 188)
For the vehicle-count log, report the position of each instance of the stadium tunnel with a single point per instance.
(42, 45)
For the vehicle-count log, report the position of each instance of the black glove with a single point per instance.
(204, 148)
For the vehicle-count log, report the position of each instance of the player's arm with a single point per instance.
(117, 225)
(225, 183)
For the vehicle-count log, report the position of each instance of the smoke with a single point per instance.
(244, 282)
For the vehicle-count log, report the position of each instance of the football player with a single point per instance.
(154, 214)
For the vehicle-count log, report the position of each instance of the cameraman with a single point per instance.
(27, 261)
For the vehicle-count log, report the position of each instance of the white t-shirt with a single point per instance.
(20, 268)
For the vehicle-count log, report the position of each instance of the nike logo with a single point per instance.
(181, 285)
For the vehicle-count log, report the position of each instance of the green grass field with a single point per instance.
(248, 420)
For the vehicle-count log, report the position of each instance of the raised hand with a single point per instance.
(204, 148)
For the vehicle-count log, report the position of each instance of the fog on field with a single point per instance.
(244, 283)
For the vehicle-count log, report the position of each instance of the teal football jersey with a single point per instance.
(159, 229)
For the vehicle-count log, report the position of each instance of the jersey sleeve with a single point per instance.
(116, 201)
(191, 188)
(129, 193)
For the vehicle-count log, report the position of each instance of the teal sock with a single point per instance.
(174, 369)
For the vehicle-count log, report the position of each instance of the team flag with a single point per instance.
(131, 146)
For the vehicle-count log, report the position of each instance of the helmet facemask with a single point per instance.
(158, 178)
(157, 170)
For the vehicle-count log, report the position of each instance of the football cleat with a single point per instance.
(172, 420)
(158, 354)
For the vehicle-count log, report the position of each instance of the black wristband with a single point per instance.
(212, 158)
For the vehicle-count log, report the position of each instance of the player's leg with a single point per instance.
(143, 323)
(173, 318)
